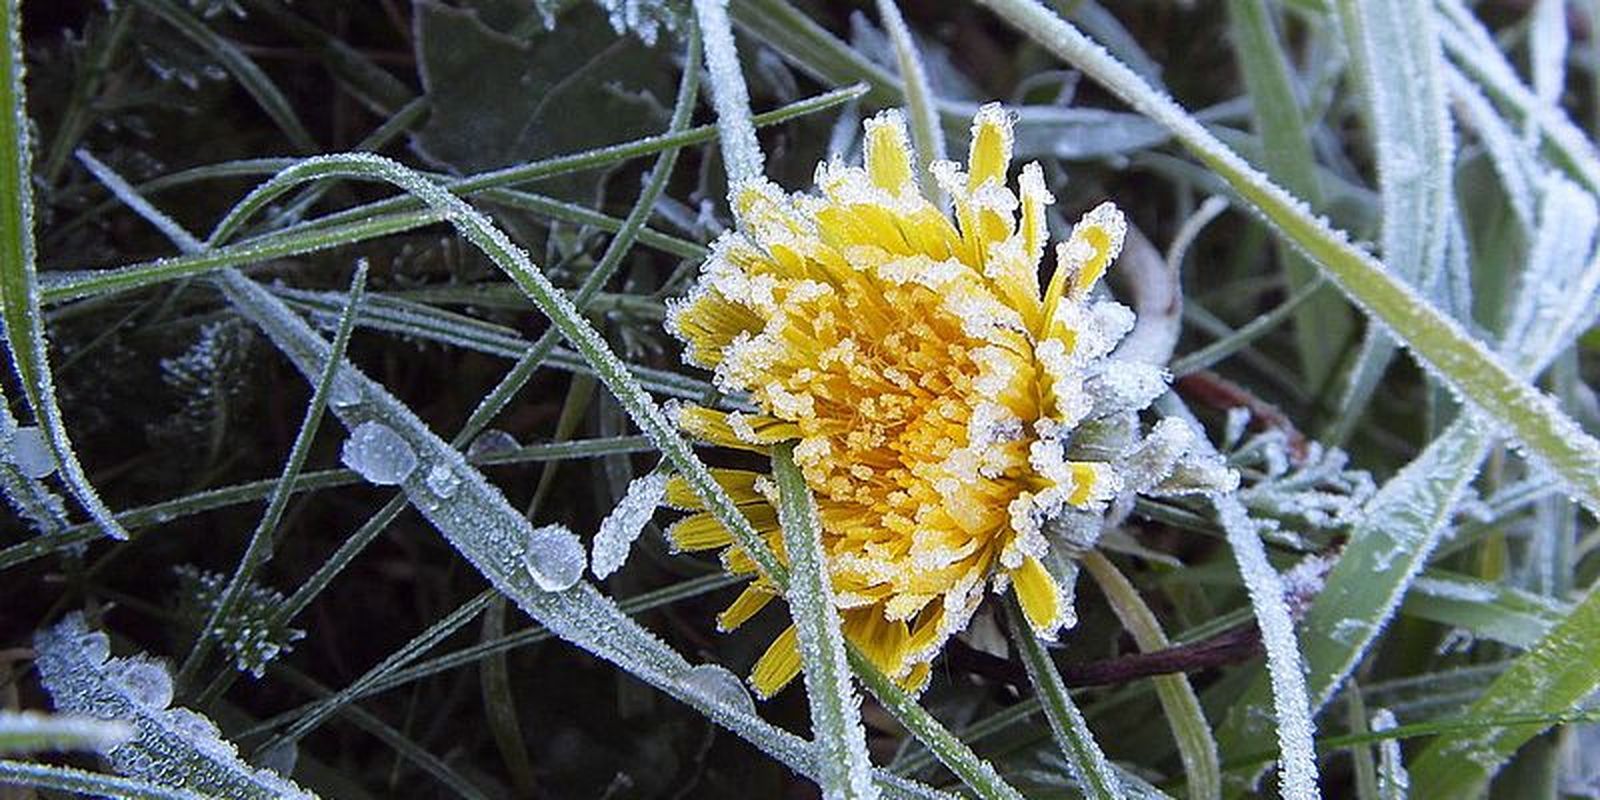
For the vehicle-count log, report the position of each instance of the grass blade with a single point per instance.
(835, 708)
(1196, 747)
(1323, 324)
(1090, 768)
(741, 153)
(1547, 434)
(77, 781)
(1415, 151)
(926, 135)
(19, 284)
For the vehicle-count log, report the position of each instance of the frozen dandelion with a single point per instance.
(929, 382)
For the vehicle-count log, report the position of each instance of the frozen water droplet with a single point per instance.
(555, 558)
(442, 481)
(95, 646)
(719, 686)
(345, 390)
(279, 758)
(195, 728)
(31, 452)
(147, 683)
(622, 526)
(491, 443)
(378, 454)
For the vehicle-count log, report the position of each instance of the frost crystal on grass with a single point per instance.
(625, 522)
(554, 558)
(442, 480)
(378, 454)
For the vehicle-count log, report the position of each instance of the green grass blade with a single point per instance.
(835, 707)
(1397, 60)
(1547, 434)
(1090, 768)
(1196, 747)
(19, 285)
(1323, 324)
(1552, 678)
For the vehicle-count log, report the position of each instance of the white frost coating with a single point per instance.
(1393, 782)
(719, 686)
(622, 526)
(442, 481)
(345, 391)
(1296, 733)
(170, 746)
(554, 558)
(740, 150)
(30, 452)
(378, 454)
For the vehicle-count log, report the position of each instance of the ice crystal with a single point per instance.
(252, 635)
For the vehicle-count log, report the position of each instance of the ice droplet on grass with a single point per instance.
(555, 558)
(492, 442)
(442, 480)
(719, 686)
(31, 452)
(147, 682)
(345, 391)
(622, 526)
(378, 454)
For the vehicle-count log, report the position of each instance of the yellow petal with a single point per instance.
(703, 532)
(916, 680)
(888, 152)
(778, 665)
(1082, 259)
(750, 601)
(1090, 481)
(881, 641)
(739, 484)
(990, 152)
(744, 431)
(708, 323)
(1041, 600)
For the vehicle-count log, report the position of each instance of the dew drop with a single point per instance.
(378, 454)
(555, 558)
(491, 443)
(147, 682)
(30, 452)
(345, 391)
(719, 686)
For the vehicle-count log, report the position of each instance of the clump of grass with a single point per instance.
(337, 332)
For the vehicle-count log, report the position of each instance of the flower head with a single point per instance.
(930, 385)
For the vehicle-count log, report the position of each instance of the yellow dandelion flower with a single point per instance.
(929, 383)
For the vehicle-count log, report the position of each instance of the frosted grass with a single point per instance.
(835, 706)
(1463, 364)
(741, 153)
(491, 535)
(172, 747)
(19, 282)
(32, 732)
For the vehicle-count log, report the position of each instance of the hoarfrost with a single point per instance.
(173, 747)
(625, 522)
(1393, 782)
(378, 454)
(554, 558)
(442, 480)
